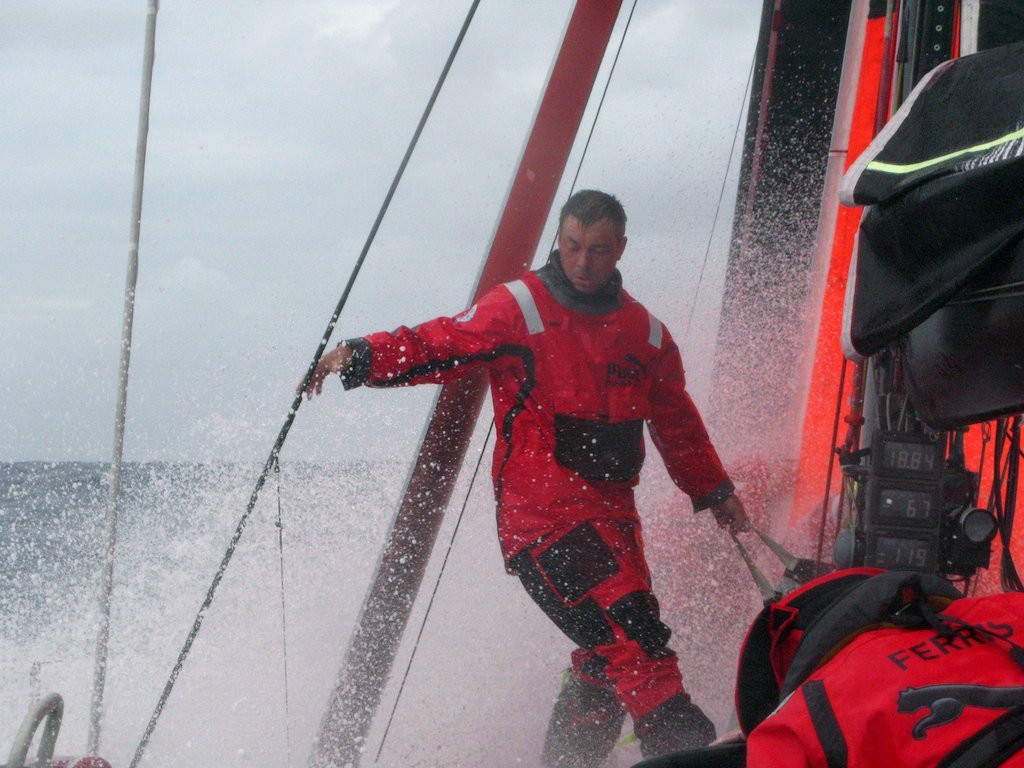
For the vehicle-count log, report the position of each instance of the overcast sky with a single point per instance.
(276, 128)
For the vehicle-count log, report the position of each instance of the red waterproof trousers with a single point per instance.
(593, 582)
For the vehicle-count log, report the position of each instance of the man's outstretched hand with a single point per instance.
(731, 514)
(335, 361)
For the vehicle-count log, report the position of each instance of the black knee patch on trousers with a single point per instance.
(583, 623)
(639, 616)
(578, 562)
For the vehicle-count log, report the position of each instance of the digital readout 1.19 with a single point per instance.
(896, 552)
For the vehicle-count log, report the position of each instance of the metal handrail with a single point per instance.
(50, 707)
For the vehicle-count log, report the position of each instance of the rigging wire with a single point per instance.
(490, 430)
(834, 456)
(284, 618)
(1003, 495)
(433, 594)
(297, 401)
(1007, 501)
(1011, 578)
(600, 103)
(128, 320)
(721, 196)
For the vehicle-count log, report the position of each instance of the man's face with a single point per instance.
(589, 254)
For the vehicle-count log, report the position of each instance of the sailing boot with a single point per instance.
(585, 724)
(673, 725)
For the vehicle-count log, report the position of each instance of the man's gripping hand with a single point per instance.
(731, 514)
(335, 361)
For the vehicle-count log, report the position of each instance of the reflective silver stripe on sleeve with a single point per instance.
(655, 338)
(527, 306)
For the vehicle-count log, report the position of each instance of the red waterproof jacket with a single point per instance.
(573, 378)
(910, 698)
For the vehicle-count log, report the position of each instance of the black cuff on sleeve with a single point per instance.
(724, 490)
(358, 370)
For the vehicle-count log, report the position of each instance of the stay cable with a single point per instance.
(297, 402)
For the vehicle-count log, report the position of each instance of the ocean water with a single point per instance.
(174, 526)
(474, 680)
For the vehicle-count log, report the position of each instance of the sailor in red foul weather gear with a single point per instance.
(577, 366)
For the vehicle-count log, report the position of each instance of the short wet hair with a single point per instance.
(590, 205)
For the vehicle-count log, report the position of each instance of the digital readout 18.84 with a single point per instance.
(911, 457)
